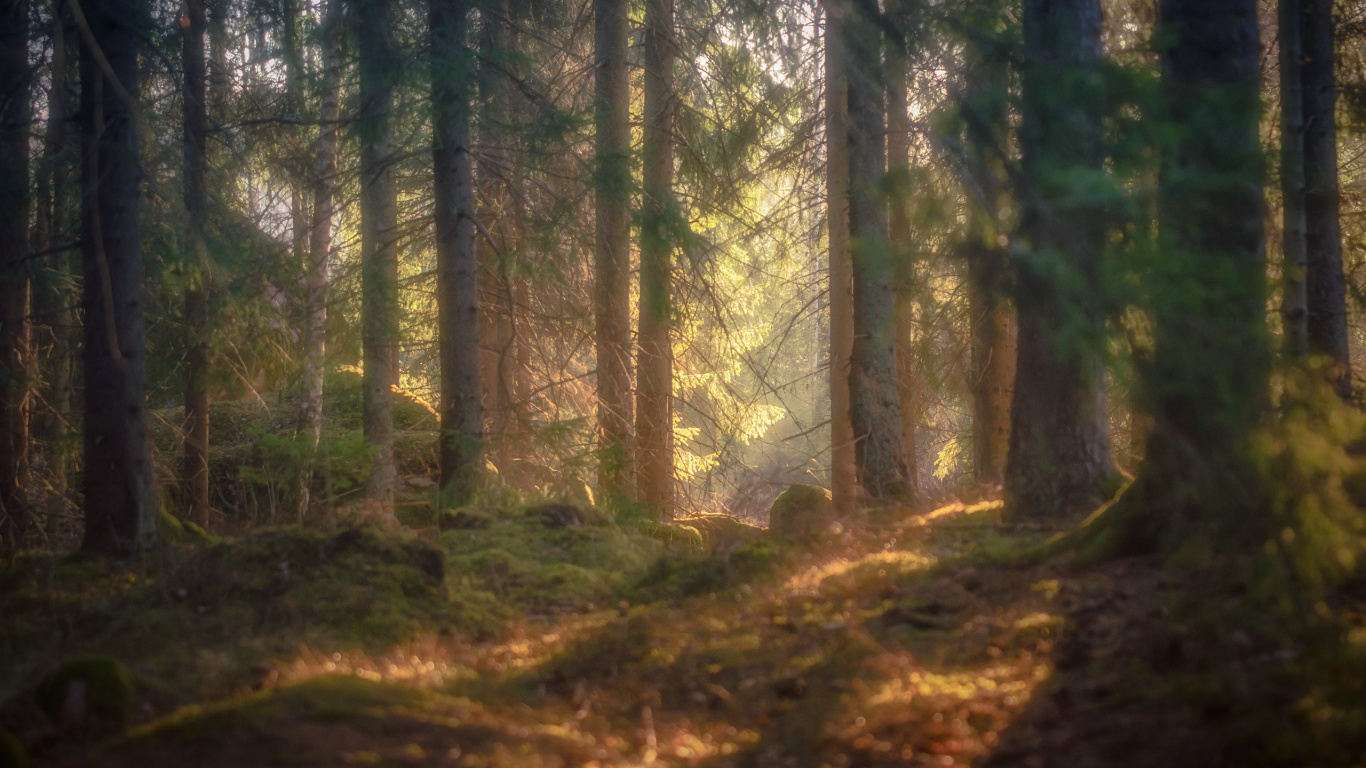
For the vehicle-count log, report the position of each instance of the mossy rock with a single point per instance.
(802, 512)
(87, 686)
(12, 753)
(720, 532)
(566, 514)
(465, 519)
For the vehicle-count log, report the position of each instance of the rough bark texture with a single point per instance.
(500, 208)
(991, 320)
(1059, 456)
(899, 222)
(1208, 381)
(14, 271)
(120, 499)
(1325, 284)
(194, 95)
(992, 366)
(52, 289)
(612, 308)
(379, 69)
(843, 472)
(462, 413)
(1294, 299)
(654, 411)
(874, 399)
(316, 279)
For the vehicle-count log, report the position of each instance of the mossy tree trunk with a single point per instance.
(1059, 456)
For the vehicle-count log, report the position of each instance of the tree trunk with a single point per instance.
(1325, 284)
(497, 201)
(898, 169)
(195, 477)
(320, 246)
(843, 473)
(654, 406)
(991, 321)
(1059, 457)
(462, 414)
(14, 271)
(1209, 378)
(612, 249)
(219, 78)
(379, 252)
(991, 326)
(874, 399)
(120, 500)
(52, 297)
(1294, 298)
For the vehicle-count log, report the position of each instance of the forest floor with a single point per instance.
(552, 642)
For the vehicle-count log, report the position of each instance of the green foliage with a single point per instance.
(1314, 457)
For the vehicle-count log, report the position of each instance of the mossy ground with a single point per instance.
(893, 643)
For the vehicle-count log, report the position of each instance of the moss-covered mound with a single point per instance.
(362, 584)
(87, 687)
(801, 512)
(550, 556)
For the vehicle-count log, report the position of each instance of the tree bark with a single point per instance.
(316, 280)
(1294, 297)
(874, 399)
(195, 473)
(1325, 283)
(654, 406)
(991, 320)
(843, 472)
(612, 248)
(1209, 378)
(379, 252)
(120, 501)
(898, 168)
(499, 206)
(52, 296)
(462, 414)
(14, 271)
(991, 326)
(1059, 456)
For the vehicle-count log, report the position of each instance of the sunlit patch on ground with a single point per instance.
(870, 651)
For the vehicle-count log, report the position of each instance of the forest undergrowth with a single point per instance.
(551, 634)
